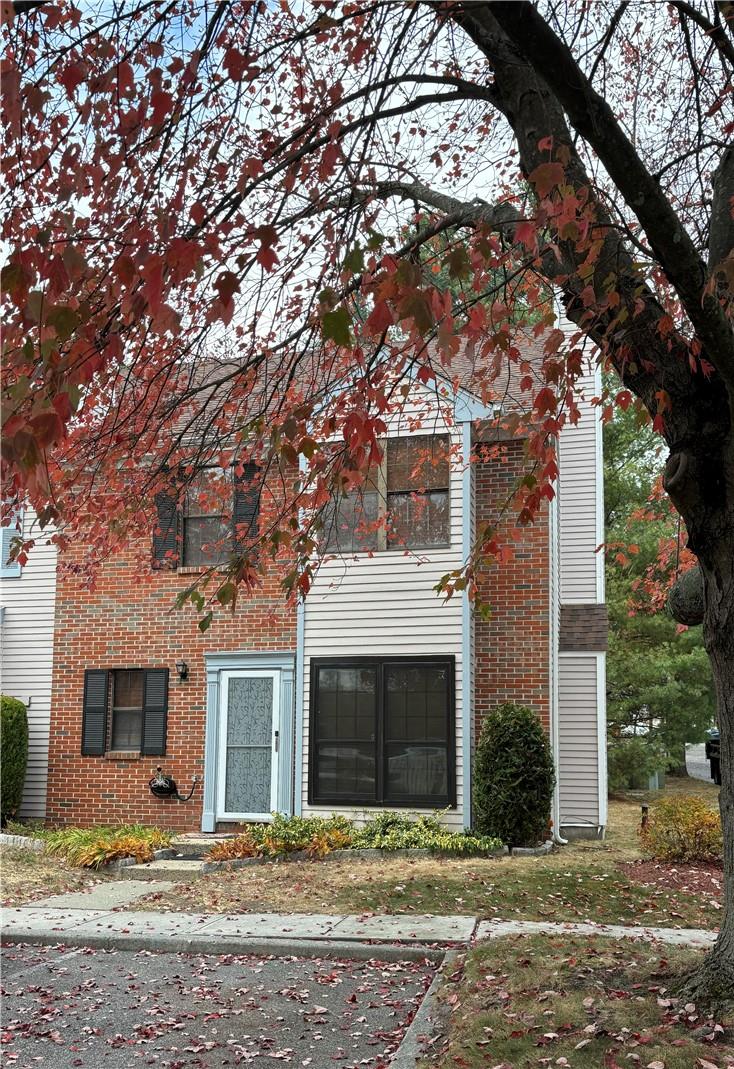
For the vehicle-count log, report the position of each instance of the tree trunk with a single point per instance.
(677, 758)
(712, 984)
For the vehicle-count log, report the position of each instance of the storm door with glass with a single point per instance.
(248, 745)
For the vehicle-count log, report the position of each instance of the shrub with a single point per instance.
(631, 762)
(685, 829)
(513, 777)
(13, 754)
(393, 831)
(92, 847)
(317, 836)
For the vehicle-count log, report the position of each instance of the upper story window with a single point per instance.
(204, 525)
(418, 491)
(403, 504)
(207, 536)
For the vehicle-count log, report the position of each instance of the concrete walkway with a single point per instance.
(105, 896)
(76, 923)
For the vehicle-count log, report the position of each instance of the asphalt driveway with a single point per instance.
(96, 1008)
(696, 763)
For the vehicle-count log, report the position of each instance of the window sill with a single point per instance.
(348, 554)
(123, 755)
(199, 569)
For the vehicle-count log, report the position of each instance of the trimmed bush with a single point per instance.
(513, 777)
(13, 754)
(684, 829)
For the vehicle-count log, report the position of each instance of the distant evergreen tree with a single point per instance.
(657, 678)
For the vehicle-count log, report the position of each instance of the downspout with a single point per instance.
(554, 602)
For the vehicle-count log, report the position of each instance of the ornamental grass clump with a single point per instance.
(684, 829)
(513, 777)
(93, 847)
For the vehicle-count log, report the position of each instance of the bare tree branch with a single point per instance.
(716, 33)
(593, 118)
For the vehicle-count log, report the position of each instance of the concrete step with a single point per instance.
(196, 846)
(178, 869)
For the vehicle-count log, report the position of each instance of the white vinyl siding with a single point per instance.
(578, 757)
(27, 656)
(384, 605)
(579, 493)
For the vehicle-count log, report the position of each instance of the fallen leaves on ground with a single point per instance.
(579, 1003)
(704, 881)
(116, 1008)
(27, 876)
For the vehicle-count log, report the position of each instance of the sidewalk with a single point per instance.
(370, 936)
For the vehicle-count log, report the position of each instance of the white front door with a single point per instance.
(249, 724)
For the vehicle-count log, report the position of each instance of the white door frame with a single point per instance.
(257, 673)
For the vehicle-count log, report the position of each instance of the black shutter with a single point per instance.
(94, 717)
(246, 504)
(155, 711)
(165, 539)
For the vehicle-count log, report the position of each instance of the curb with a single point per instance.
(185, 944)
(411, 1052)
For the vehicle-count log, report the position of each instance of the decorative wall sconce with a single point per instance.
(183, 670)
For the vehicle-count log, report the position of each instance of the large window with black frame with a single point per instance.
(383, 731)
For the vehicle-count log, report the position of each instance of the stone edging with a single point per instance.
(368, 853)
(25, 842)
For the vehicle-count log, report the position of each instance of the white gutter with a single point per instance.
(553, 608)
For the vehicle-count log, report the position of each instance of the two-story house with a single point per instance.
(372, 693)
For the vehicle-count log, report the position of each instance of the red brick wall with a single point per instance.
(512, 648)
(129, 621)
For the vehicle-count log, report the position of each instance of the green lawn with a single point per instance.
(582, 1003)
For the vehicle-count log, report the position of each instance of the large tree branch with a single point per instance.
(721, 230)
(594, 120)
(651, 364)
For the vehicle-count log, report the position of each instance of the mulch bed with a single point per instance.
(703, 880)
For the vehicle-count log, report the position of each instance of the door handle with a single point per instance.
(276, 738)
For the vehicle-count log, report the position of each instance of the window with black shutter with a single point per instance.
(213, 518)
(207, 532)
(125, 711)
(382, 732)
